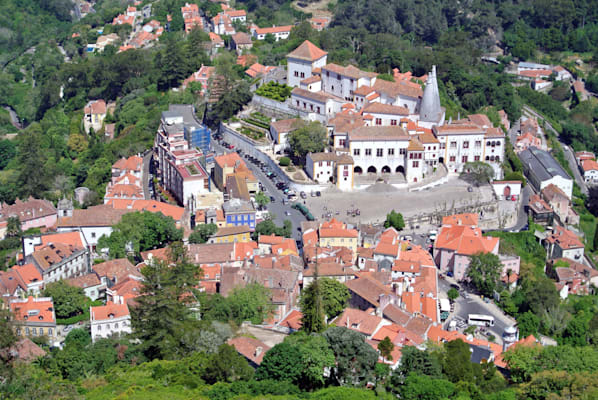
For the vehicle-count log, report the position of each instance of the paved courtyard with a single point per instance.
(377, 200)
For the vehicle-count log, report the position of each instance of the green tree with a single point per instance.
(202, 233)
(301, 359)
(227, 366)
(68, 300)
(386, 347)
(528, 324)
(13, 227)
(309, 138)
(595, 242)
(140, 231)
(78, 337)
(7, 340)
(312, 307)
(394, 220)
(419, 362)
(477, 173)
(31, 159)
(8, 150)
(484, 272)
(249, 303)
(422, 387)
(162, 316)
(456, 364)
(355, 359)
(453, 294)
(261, 199)
(335, 296)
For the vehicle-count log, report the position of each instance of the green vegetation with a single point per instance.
(484, 272)
(202, 233)
(268, 227)
(140, 231)
(274, 91)
(309, 138)
(395, 220)
(284, 161)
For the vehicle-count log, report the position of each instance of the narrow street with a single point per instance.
(276, 208)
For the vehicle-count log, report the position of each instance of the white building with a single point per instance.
(279, 32)
(343, 81)
(302, 61)
(463, 143)
(542, 169)
(590, 171)
(279, 131)
(331, 168)
(111, 320)
(320, 106)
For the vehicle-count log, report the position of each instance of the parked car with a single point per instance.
(303, 195)
(272, 199)
(318, 193)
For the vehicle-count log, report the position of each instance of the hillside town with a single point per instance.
(359, 225)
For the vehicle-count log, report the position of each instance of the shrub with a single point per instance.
(284, 161)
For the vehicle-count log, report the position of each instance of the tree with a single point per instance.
(141, 231)
(419, 362)
(595, 242)
(227, 366)
(7, 340)
(311, 306)
(8, 150)
(477, 173)
(528, 324)
(202, 233)
(355, 359)
(78, 337)
(31, 159)
(422, 387)
(394, 220)
(161, 317)
(68, 300)
(453, 294)
(249, 303)
(261, 199)
(268, 227)
(13, 227)
(309, 138)
(484, 271)
(335, 296)
(456, 364)
(301, 359)
(386, 347)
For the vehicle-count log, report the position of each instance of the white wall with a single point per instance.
(109, 327)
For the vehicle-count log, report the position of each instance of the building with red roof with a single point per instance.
(111, 320)
(34, 317)
(563, 243)
(252, 349)
(590, 171)
(279, 32)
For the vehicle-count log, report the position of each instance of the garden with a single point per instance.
(274, 91)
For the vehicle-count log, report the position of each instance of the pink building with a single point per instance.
(33, 213)
(455, 245)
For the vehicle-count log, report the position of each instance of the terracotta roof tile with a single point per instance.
(359, 321)
(307, 51)
(110, 310)
(250, 348)
(39, 309)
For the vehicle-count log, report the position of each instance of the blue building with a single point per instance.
(239, 212)
(196, 134)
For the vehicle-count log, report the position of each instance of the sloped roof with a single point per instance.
(110, 310)
(307, 51)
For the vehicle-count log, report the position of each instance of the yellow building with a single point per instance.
(335, 234)
(34, 317)
(232, 234)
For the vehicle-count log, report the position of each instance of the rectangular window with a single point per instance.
(464, 159)
(478, 143)
(311, 107)
(391, 152)
(342, 142)
(368, 152)
(379, 152)
(415, 164)
(296, 73)
(303, 74)
(319, 110)
(401, 151)
(442, 146)
(476, 158)
(452, 158)
(393, 122)
(378, 121)
(466, 145)
(356, 152)
(453, 145)
(320, 164)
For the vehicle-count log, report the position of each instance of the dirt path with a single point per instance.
(317, 9)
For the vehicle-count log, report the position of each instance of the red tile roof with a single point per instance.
(357, 320)
(39, 309)
(110, 310)
(307, 51)
(292, 320)
(250, 348)
(468, 219)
